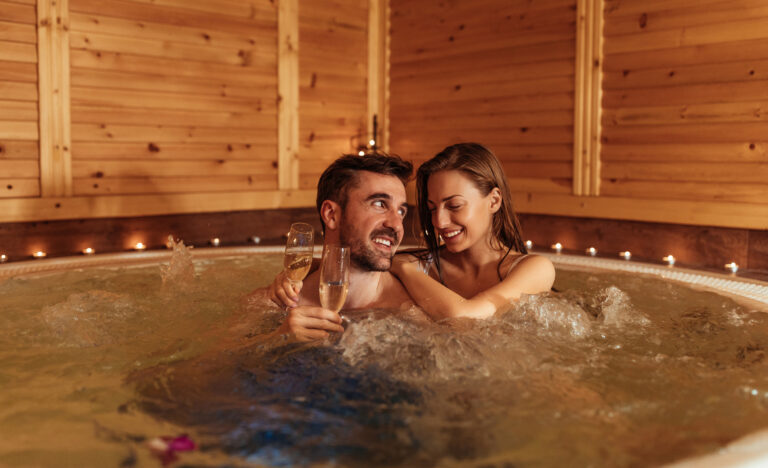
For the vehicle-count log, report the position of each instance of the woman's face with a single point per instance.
(460, 213)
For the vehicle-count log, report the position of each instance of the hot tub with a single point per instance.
(102, 355)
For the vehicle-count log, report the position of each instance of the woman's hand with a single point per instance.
(284, 292)
(405, 264)
(398, 263)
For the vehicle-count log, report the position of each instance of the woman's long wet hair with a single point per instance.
(484, 169)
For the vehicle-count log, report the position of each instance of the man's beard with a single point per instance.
(361, 254)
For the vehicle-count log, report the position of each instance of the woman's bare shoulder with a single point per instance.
(537, 271)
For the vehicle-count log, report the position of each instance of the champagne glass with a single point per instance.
(298, 251)
(334, 277)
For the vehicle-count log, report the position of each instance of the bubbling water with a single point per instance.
(614, 370)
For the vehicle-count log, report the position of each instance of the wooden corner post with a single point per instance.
(378, 70)
(54, 102)
(588, 94)
(288, 94)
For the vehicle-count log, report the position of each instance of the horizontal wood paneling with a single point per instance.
(99, 169)
(685, 101)
(17, 32)
(204, 183)
(19, 149)
(115, 151)
(53, 208)
(498, 72)
(173, 97)
(746, 70)
(19, 134)
(671, 17)
(19, 188)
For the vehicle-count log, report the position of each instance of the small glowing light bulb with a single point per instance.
(140, 246)
(626, 255)
(591, 251)
(3, 258)
(361, 153)
(528, 245)
(88, 251)
(557, 247)
(670, 259)
(39, 254)
(372, 142)
(732, 267)
(215, 242)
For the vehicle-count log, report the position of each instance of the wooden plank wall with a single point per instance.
(684, 129)
(333, 92)
(498, 72)
(175, 105)
(173, 97)
(19, 152)
(686, 100)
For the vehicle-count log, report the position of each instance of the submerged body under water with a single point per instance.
(613, 370)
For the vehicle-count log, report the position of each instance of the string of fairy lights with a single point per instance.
(670, 260)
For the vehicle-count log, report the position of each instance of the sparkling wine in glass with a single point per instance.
(298, 251)
(334, 277)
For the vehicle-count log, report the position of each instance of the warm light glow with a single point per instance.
(140, 246)
(361, 153)
(3, 258)
(670, 259)
(39, 254)
(732, 267)
(88, 251)
(591, 251)
(557, 247)
(626, 255)
(256, 239)
(215, 242)
(372, 142)
(528, 245)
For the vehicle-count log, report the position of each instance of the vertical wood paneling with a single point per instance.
(685, 94)
(333, 89)
(19, 133)
(174, 97)
(499, 73)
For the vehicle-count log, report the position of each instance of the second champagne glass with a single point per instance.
(334, 277)
(298, 251)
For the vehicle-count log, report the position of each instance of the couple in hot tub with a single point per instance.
(463, 200)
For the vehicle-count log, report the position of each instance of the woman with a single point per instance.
(463, 200)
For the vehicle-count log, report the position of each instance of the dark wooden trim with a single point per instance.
(694, 246)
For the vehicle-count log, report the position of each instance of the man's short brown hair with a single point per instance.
(342, 175)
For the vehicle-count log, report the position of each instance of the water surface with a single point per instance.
(612, 370)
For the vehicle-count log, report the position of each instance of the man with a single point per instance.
(362, 203)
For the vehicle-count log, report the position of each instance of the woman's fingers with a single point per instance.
(285, 298)
(292, 289)
(283, 292)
